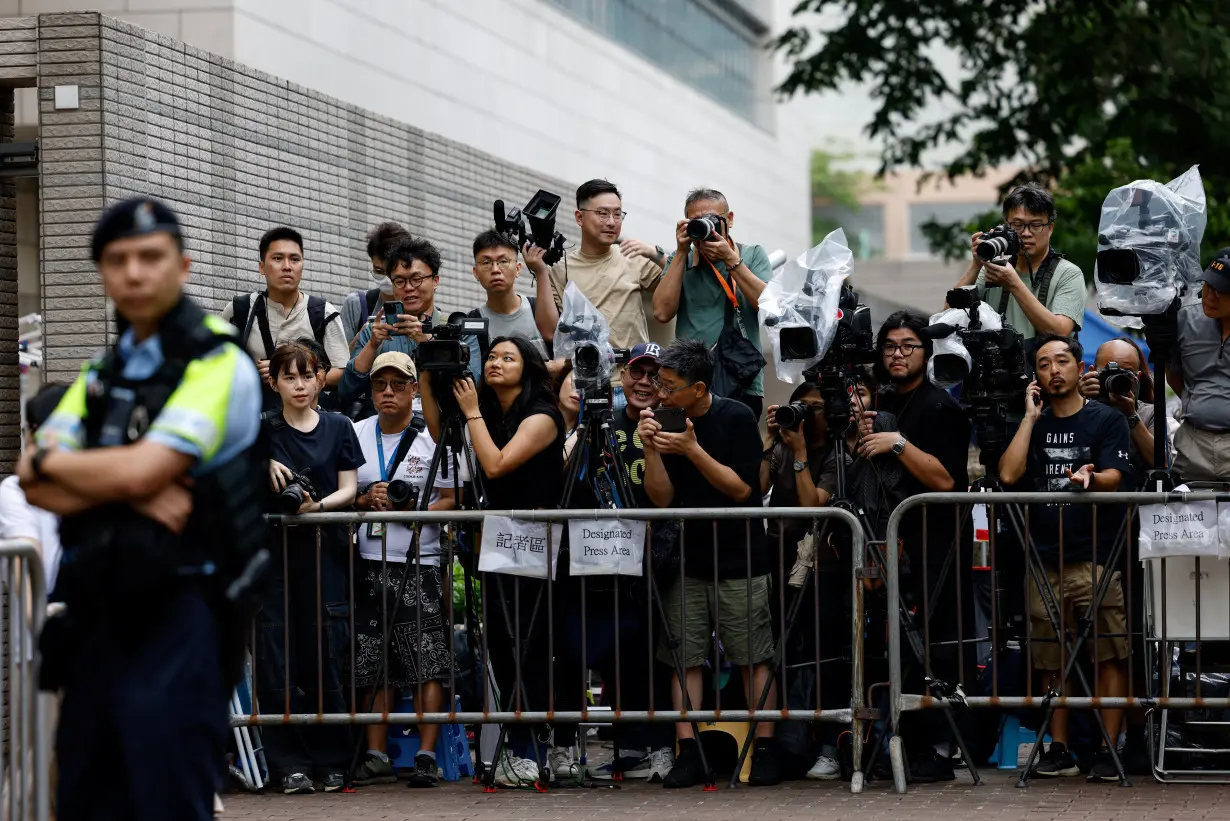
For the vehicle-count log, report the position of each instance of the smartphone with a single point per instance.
(392, 310)
(672, 420)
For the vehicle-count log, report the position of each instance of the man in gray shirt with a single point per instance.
(1200, 373)
(508, 313)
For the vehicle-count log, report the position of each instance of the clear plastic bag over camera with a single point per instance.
(1162, 225)
(952, 344)
(581, 322)
(804, 293)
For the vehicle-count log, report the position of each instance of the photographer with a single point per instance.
(1199, 374)
(1052, 299)
(715, 462)
(413, 266)
(393, 476)
(799, 468)
(517, 435)
(508, 313)
(360, 306)
(314, 459)
(1072, 445)
(707, 281)
(931, 445)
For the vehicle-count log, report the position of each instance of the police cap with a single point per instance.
(133, 218)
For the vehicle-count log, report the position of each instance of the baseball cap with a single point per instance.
(133, 218)
(645, 350)
(398, 361)
(1218, 272)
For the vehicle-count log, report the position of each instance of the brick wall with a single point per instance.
(236, 151)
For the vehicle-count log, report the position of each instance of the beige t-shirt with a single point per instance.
(288, 326)
(614, 284)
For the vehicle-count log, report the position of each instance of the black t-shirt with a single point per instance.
(632, 452)
(933, 422)
(727, 432)
(822, 464)
(1095, 435)
(328, 449)
(537, 484)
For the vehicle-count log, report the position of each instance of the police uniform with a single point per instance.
(146, 656)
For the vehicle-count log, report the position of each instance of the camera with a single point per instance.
(853, 347)
(402, 495)
(997, 371)
(1000, 244)
(789, 417)
(1117, 380)
(297, 491)
(445, 352)
(540, 213)
(706, 227)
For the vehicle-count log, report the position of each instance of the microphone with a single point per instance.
(499, 215)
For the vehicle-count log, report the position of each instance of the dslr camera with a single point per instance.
(445, 353)
(707, 227)
(540, 213)
(1117, 380)
(999, 245)
(789, 417)
(297, 491)
(402, 495)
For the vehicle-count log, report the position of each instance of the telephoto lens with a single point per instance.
(702, 228)
(791, 416)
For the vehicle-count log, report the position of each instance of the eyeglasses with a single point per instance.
(638, 373)
(381, 385)
(413, 282)
(665, 391)
(503, 264)
(605, 214)
(907, 349)
(1032, 227)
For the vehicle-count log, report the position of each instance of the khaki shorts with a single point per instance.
(740, 630)
(1076, 596)
(1201, 455)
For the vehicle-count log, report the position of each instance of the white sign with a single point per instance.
(1179, 529)
(518, 548)
(606, 547)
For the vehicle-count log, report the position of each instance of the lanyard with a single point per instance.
(386, 467)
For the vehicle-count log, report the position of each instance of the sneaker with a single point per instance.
(929, 767)
(297, 784)
(424, 773)
(661, 762)
(1057, 762)
(513, 771)
(826, 768)
(765, 770)
(1103, 768)
(560, 763)
(374, 770)
(333, 780)
(632, 766)
(688, 770)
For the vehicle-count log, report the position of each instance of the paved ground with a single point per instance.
(998, 799)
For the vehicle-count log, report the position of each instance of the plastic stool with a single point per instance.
(452, 749)
(1011, 736)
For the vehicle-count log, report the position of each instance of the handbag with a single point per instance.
(736, 361)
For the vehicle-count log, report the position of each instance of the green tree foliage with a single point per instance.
(1087, 94)
(835, 183)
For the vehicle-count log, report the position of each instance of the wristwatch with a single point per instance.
(1133, 421)
(799, 467)
(899, 446)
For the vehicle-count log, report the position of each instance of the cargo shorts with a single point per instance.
(744, 627)
(1075, 596)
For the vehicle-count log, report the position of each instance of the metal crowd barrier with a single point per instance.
(539, 712)
(1164, 628)
(24, 792)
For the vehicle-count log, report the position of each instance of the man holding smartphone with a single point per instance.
(413, 266)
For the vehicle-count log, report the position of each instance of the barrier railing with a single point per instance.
(27, 742)
(1163, 627)
(538, 612)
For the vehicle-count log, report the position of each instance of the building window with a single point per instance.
(941, 212)
(687, 39)
(864, 227)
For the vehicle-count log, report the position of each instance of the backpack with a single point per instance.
(367, 307)
(243, 316)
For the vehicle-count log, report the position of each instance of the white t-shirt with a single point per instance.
(412, 469)
(19, 520)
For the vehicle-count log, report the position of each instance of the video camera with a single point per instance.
(540, 213)
(996, 371)
(445, 352)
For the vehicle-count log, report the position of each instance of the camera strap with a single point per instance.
(730, 287)
(1043, 276)
(387, 470)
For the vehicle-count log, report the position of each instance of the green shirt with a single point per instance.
(703, 304)
(1065, 298)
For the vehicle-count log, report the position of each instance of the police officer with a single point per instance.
(148, 459)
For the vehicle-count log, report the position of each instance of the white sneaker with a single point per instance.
(661, 761)
(560, 763)
(826, 768)
(512, 771)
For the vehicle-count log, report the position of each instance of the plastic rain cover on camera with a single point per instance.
(804, 293)
(1162, 225)
(581, 322)
(953, 345)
